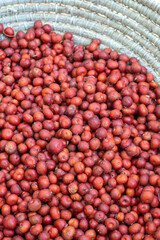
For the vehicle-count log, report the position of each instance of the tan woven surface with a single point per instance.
(128, 26)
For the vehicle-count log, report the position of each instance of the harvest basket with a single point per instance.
(128, 26)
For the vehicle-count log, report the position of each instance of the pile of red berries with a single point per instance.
(79, 140)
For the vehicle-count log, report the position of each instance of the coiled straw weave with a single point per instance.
(128, 26)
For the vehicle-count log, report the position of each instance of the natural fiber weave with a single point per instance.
(128, 26)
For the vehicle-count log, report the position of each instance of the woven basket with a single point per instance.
(128, 26)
